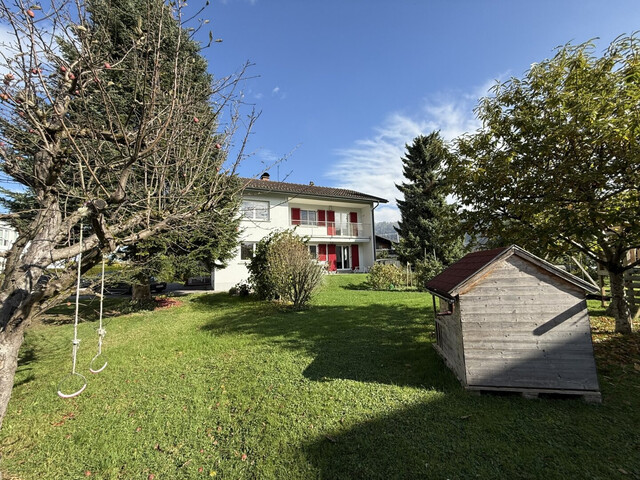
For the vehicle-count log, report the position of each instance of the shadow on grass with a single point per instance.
(381, 343)
(457, 436)
(356, 286)
(89, 310)
(366, 286)
(26, 357)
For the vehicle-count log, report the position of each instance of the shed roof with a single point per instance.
(308, 190)
(450, 282)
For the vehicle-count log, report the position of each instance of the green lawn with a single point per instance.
(234, 388)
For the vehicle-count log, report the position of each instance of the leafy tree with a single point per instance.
(428, 226)
(103, 133)
(555, 166)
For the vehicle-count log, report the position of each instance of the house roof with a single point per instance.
(307, 190)
(449, 283)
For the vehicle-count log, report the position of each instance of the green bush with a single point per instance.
(425, 270)
(242, 289)
(385, 277)
(259, 274)
(282, 269)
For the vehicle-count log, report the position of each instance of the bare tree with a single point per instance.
(106, 133)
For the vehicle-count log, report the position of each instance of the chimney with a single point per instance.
(311, 183)
(265, 176)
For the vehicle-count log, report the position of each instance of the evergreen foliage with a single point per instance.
(428, 227)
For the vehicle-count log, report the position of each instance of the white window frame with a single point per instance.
(305, 220)
(256, 210)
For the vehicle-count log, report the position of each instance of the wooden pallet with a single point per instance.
(534, 393)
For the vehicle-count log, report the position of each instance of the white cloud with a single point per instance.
(373, 165)
(278, 93)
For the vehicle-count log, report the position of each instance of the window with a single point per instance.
(255, 210)
(247, 250)
(308, 217)
(313, 251)
(342, 223)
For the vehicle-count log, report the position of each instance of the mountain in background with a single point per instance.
(387, 230)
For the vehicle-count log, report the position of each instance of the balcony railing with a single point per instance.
(332, 229)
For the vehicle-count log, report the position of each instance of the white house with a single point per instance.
(8, 236)
(339, 224)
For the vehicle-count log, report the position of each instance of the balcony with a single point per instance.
(330, 229)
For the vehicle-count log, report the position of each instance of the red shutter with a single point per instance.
(295, 216)
(321, 218)
(331, 224)
(353, 218)
(355, 257)
(322, 253)
(332, 258)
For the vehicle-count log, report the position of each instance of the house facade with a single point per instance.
(8, 236)
(338, 223)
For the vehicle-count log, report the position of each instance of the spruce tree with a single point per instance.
(428, 226)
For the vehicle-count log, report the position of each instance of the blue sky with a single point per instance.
(344, 85)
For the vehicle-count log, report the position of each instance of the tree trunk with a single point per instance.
(141, 292)
(619, 307)
(10, 342)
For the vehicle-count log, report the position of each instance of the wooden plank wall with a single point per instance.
(449, 341)
(524, 327)
(632, 285)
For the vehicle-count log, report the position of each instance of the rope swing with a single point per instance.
(76, 341)
(100, 359)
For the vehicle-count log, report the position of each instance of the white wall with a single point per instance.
(279, 219)
(8, 236)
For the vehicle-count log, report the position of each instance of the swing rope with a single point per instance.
(101, 331)
(76, 340)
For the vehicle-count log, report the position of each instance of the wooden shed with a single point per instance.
(510, 321)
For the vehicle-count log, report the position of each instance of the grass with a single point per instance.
(234, 388)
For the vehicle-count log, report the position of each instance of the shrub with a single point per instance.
(242, 289)
(385, 277)
(426, 270)
(259, 273)
(283, 269)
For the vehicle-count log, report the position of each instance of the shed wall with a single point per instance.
(524, 327)
(449, 341)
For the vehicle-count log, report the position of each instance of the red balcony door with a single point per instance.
(332, 258)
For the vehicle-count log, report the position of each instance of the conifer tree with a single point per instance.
(428, 224)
